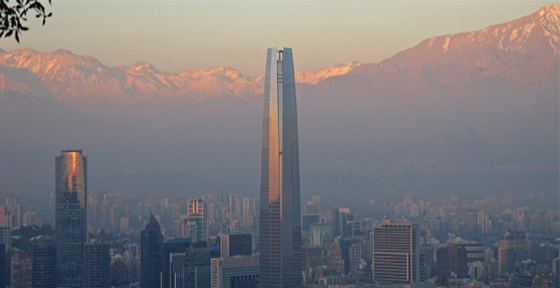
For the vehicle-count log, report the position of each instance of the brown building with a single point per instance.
(453, 259)
(312, 257)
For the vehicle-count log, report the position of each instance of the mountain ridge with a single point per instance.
(496, 51)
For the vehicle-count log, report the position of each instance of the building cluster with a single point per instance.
(65, 258)
(184, 262)
(12, 216)
(222, 240)
(438, 242)
(180, 217)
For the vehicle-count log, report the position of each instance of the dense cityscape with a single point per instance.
(416, 145)
(486, 242)
(223, 240)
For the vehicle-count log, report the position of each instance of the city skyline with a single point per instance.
(437, 166)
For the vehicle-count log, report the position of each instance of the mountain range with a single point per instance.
(68, 77)
(474, 113)
(521, 50)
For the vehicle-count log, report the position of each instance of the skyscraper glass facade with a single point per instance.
(280, 222)
(44, 265)
(97, 265)
(71, 216)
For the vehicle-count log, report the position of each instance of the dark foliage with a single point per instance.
(14, 14)
(34, 231)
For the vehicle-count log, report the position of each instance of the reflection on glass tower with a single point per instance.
(71, 216)
(280, 228)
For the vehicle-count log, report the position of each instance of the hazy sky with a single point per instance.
(180, 35)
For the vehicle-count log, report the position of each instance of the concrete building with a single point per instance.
(513, 248)
(355, 257)
(396, 252)
(235, 272)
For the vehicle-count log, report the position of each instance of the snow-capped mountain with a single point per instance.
(522, 51)
(469, 114)
(314, 77)
(70, 77)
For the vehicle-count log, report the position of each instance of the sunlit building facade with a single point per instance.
(197, 220)
(71, 216)
(280, 219)
(396, 252)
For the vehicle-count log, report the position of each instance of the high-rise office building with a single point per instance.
(453, 259)
(475, 251)
(340, 218)
(198, 222)
(396, 252)
(428, 250)
(97, 265)
(71, 216)
(235, 244)
(21, 271)
(3, 264)
(197, 268)
(177, 269)
(44, 265)
(6, 237)
(246, 210)
(151, 259)
(556, 272)
(513, 248)
(355, 257)
(280, 219)
(235, 272)
(173, 262)
(307, 221)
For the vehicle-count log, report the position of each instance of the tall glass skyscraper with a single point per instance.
(280, 222)
(71, 216)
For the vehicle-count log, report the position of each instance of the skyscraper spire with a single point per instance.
(280, 228)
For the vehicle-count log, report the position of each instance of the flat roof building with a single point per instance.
(236, 271)
(396, 252)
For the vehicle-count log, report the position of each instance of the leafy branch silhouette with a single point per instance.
(12, 17)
